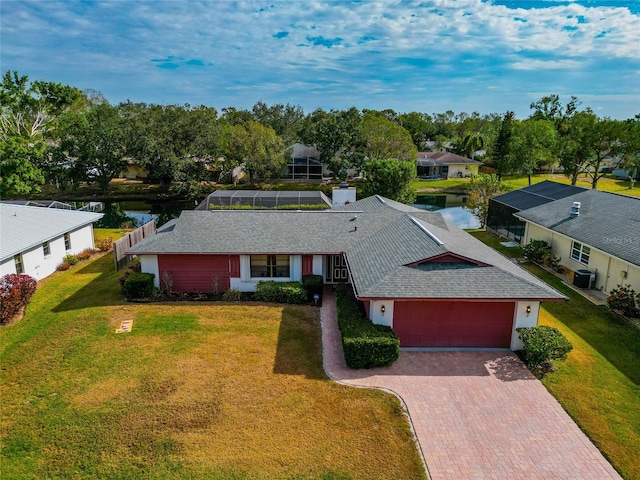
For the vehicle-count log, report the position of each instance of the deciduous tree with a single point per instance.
(390, 178)
(481, 189)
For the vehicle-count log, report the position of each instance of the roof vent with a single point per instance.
(575, 209)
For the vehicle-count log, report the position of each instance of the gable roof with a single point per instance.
(607, 221)
(536, 194)
(426, 159)
(380, 239)
(25, 227)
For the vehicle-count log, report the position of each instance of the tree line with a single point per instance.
(55, 133)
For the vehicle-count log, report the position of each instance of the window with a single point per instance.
(19, 265)
(67, 241)
(269, 265)
(46, 249)
(580, 253)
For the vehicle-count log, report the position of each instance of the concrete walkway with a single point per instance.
(476, 414)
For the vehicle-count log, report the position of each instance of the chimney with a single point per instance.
(575, 209)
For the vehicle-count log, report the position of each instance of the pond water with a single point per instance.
(451, 207)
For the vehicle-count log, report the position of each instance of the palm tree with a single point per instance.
(473, 142)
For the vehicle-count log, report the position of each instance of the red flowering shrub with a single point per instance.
(15, 293)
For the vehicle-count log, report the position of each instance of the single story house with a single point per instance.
(34, 240)
(591, 230)
(501, 218)
(446, 165)
(433, 283)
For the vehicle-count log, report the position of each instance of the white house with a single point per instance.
(34, 240)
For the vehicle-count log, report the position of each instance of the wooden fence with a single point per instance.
(129, 240)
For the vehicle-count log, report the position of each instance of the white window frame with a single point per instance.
(580, 252)
(46, 249)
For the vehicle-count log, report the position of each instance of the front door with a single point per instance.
(336, 271)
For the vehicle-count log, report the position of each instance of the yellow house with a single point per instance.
(591, 231)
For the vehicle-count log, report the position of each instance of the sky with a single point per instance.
(429, 56)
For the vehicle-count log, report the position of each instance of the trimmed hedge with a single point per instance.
(15, 293)
(314, 285)
(543, 344)
(138, 285)
(280, 292)
(365, 344)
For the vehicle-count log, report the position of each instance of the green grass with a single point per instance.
(195, 390)
(606, 184)
(112, 233)
(599, 383)
(495, 242)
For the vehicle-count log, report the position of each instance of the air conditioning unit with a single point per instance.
(584, 279)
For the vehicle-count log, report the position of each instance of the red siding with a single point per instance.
(307, 265)
(453, 324)
(195, 273)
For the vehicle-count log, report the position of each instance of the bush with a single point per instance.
(314, 285)
(543, 344)
(104, 244)
(138, 285)
(365, 344)
(15, 293)
(70, 259)
(535, 250)
(232, 295)
(280, 292)
(86, 253)
(623, 299)
(63, 266)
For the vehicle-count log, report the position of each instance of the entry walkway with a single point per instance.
(476, 414)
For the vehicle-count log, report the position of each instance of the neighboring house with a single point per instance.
(501, 218)
(33, 240)
(304, 164)
(591, 230)
(446, 165)
(432, 282)
(134, 170)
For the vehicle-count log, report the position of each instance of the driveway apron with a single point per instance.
(476, 414)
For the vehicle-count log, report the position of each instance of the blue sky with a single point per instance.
(427, 56)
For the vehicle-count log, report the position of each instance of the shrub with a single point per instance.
(15, 293)
(70, 259)
(365, 344)
(543, 344)
(314, 285)
(63, 266)
(280, 292)
(86, 253)
(138, 285)
(535, 250)
(232, 295)
(104, 244)
(623, 299)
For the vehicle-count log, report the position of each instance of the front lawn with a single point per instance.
(196, 390)
(599, 383)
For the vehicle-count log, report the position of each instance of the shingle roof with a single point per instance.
(536, 194)
(389, 237)
(25, 227)
(607, 221)
(444, 158)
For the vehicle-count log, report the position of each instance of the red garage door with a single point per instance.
(196, 273)
(453, 324)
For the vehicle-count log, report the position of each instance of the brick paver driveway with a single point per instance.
(476, 414)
